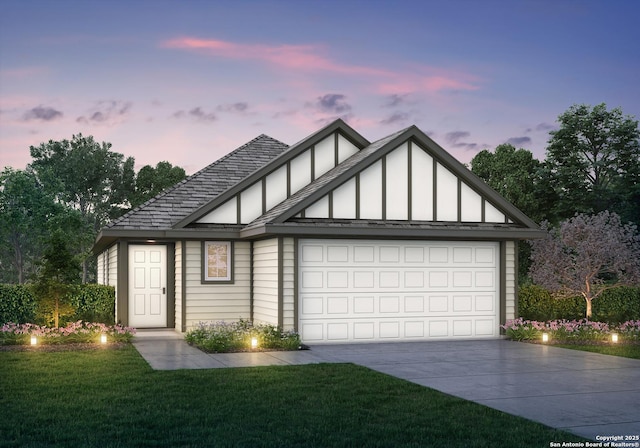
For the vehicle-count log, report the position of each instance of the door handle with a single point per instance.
(164, 290)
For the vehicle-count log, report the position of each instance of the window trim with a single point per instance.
(205, 263)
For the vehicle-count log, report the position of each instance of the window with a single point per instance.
(217, 261)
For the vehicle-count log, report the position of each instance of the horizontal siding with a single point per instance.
(217, 302)
(265, 281)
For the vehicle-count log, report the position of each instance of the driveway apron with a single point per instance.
(585, 393)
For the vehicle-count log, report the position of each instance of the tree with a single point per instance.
(593, 162)
(587, 255)
(25, 209)
(86, 176)
(514, 173)
(60, 270)
(150, 181)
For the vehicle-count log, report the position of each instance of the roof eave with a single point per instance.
(363, 231)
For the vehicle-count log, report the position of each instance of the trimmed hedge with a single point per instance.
(614, 306)
(92, 303)
(17, 304)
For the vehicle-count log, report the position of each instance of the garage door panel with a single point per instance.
(368, 291)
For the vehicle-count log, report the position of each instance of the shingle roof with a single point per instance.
(168, 208)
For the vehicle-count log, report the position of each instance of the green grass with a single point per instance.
(627, 350)
(112, 398)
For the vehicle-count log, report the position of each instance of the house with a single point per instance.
(338, 238)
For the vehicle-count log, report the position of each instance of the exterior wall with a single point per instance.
(178, 286)
(511, 280)
(216, 302)
(265, 281)
(108, 269)
(289, 308)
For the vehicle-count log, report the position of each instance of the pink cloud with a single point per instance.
(312, 58)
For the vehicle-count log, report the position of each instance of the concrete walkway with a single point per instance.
(585, 393)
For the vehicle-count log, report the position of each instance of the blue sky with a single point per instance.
(189, 81)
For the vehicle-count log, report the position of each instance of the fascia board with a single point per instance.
(337, 126)
(395, 233)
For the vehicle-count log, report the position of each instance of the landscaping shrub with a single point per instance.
(94, 303)
(87, 302)
(17, 304)
(224, 337)
(582, 330)
(614, 306)
(75, 332)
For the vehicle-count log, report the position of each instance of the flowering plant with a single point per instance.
(583, 330)
(222, 337)
(18, 334)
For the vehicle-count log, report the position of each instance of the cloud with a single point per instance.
(518, 141)
(544, 127)
(233, 108)
(394, 100)
(106, 112)
(397, 117)
(42, 113)
(314, 59)
(333, 103)
(454, 139)
(196, 113)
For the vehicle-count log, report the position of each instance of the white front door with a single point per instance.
(147, 286)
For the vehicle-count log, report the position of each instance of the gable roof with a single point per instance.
(284, 218)
(175, 213)
(173, 205)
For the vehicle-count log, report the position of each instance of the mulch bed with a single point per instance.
(63, 347)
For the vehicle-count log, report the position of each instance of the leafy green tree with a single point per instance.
(587, 255)
(150, 181)
(88, 177)
(515, 174)
(60, 270)
(25, 209)
(593, 162)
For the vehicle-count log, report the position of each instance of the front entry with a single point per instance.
(147, 286)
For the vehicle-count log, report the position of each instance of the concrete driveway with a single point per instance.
(585, 393)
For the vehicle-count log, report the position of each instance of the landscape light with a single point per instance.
(614, 337)
(103, 338)
(545, 337)
(34, 340)
(254, 343)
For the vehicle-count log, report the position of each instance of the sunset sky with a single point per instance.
(189, 81)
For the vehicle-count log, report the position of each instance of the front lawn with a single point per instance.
(113, 398)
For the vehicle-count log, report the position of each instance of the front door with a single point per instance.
(147, 286)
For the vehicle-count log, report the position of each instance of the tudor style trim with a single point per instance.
(338, 126)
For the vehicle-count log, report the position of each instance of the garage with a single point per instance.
(377, 290)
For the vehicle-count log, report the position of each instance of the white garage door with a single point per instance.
(353, 291)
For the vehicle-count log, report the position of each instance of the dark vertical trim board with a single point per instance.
(238, 209)
(358, 196)
(313, 163)
(384, 187)
(251, 281)
(516, 274)
(123, 283)
(336, 156)
(288, 178)
(171, 285)
(503, 283)
(184, 286)
(459, 200)
(409, 180)
(280, 281)
(264, 195)
(435, 189)
(295, 284)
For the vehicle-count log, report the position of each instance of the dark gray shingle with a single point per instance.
(178, 202)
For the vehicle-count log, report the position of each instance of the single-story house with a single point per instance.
(335, 237)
